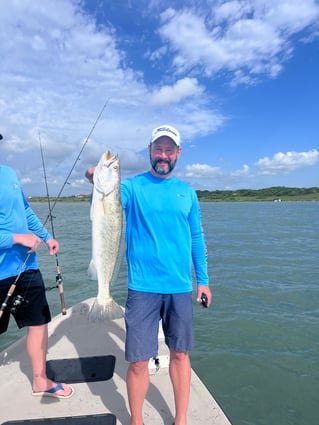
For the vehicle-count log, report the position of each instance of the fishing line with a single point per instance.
(58, 278)
(77, 158)
(50, 216)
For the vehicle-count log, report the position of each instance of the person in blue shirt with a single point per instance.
(21, 233)
(164, 238)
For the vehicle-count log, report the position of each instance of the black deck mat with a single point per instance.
(82, 369)
(103, 419)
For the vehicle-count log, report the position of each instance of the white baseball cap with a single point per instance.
(168, 131)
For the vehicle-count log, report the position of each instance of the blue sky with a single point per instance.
(239, 79)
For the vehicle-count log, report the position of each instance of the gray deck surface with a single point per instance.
(73, 335)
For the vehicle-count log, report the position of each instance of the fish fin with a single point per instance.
(92, 274)
(107, 311)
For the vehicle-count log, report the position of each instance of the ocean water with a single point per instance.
(257, 346)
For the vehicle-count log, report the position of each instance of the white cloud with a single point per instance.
(243, 172)
(287, 162)
(57, 69)
(199, 171)
(186, 87)
(250, 37)
(60, 62)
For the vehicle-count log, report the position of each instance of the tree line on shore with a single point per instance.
(275, 194)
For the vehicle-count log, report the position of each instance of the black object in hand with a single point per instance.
(204, 300)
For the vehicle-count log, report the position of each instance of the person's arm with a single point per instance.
(34, 224)
(30, 240)
(38, 231)
(199, 254)
(6, 240)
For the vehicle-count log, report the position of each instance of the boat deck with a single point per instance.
(73, 336)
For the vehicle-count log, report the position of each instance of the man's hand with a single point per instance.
(89, 174)
(53, 246)
(29, 240)
(202, 289)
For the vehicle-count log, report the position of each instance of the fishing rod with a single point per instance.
(58, 278)
(77, 158)
(50, 216)
(12, 289)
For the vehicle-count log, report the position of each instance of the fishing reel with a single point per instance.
(17, 302)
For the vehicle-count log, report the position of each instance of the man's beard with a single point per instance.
(163, 171)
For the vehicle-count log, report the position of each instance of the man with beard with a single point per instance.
(164, 237)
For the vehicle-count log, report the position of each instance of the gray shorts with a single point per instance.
(34, 309)
(143, 313)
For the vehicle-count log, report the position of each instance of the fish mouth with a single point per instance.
(110, 159)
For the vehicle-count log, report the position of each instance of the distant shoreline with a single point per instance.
(271, 194)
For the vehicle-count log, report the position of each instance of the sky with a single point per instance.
(238, 79)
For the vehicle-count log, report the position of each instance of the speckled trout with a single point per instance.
(106, 216)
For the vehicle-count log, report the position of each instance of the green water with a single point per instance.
(257, 346)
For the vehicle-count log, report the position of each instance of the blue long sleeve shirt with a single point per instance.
(16, 216)
(164, 235)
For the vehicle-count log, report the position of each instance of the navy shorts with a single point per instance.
(143, 313)
(34, 309)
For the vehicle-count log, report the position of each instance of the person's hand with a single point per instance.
(90, 173)
(53, 246)
(202, 289)
(29, 240)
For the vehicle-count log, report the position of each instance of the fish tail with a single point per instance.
(107, 311)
